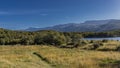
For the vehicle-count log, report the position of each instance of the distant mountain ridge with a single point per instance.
(88, 26)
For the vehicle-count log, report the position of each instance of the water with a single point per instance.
(109, 38)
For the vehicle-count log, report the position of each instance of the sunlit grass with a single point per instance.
(76, 58)
(23, 57)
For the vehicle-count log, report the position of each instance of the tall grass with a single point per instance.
(23, 57)
(76, 58)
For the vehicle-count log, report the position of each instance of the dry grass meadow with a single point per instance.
(53, 57)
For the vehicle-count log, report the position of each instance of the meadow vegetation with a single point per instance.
(47, 56)
(52, 49)
(48, 37)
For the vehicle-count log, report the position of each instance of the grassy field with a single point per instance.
(53, 57)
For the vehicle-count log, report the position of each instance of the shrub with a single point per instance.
(104, 40)
(118, 48)
(84, 42)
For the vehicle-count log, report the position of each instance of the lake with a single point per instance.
(108, 38)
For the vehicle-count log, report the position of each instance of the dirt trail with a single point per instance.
(44, 60)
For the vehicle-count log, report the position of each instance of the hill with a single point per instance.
(88, 26)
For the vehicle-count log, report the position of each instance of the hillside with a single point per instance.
(88, 26)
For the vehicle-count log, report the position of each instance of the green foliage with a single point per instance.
(49, 37)
(8, 37)
(26, 41)
(38, 40)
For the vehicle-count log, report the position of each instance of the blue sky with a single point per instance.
(21, 14)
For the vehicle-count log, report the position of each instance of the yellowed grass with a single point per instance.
(23, 57)
(20, 57)
(76, 58)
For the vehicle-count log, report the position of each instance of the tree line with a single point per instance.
(48, 37)
(45, 37)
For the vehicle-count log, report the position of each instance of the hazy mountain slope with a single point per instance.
(112, 25)
(95, 25)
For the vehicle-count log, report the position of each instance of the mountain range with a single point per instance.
(88, 26)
